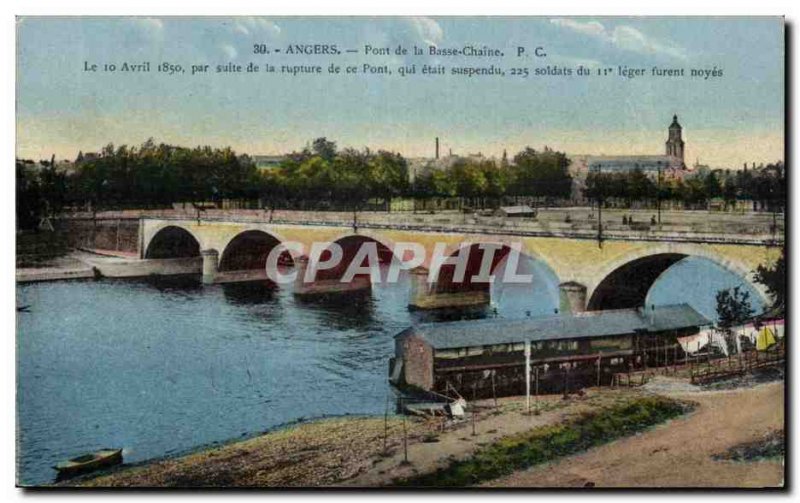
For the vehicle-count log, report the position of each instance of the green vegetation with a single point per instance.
(733, 307)
(767, 186)
(546, 443)
(771, 446)
(324, 177)
(774, 278)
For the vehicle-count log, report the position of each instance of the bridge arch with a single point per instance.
(626, 281)
(249, 249)
(541, 269)
(350, 244)
(172, 241)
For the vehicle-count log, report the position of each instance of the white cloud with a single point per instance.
(592, 28)
(622, 37)
(427, 29)
(229, 50)
(252, 25)
(149, 25)
(628, 37)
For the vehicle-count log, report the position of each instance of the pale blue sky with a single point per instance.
(727, 121)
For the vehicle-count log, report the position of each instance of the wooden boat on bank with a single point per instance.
(87, 463)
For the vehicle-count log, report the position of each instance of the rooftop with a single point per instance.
(512, 210)
(589, 324)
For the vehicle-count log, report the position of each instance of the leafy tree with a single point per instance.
(351, 178)
(639, 186)
(541, 173)
(729, 191)
(496, 179)
(389, 175)
(774, 279)
(430, 183)
(28, 194)
(733, 307)
(711, 186)
(467, 179)
(324, 148)
(52, 188)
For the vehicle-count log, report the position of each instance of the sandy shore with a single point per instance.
(349, 451)
(317, 453)
(341, 451)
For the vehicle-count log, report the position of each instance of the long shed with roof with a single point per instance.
(488, 356)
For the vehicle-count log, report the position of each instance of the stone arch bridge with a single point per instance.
(616, 274)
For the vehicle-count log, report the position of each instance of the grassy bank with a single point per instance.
(547, 443)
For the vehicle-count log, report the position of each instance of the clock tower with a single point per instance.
(674, 140)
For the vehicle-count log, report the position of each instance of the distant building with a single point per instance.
(627, 163)
(522, 211)
(670, 164)
(674, 140)
(268, 161)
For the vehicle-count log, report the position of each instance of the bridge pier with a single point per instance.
(324, 286)
(241, 276)
(572, 298)
(423, 295)
(210, 265)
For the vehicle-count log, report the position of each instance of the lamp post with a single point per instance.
(599, 188)
(658, 194)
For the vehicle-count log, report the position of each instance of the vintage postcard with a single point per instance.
(393, 252)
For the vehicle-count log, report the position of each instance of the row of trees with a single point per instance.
(481, 182)
(321, 176)
(767, 185)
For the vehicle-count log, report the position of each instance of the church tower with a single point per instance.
(674, 141)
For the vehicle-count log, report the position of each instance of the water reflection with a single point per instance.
(250, 292)
(454, 314)
(341, 310)
(180, 284)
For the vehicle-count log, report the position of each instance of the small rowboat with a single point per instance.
(89, 463)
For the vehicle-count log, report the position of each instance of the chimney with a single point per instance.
(437, 147)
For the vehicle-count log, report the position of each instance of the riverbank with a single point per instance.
(317, 453)
(86, 263)
(349, 452)
(73, 264)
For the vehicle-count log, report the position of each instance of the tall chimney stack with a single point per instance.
(437, 147)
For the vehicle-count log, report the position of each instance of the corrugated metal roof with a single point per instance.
(466, 333)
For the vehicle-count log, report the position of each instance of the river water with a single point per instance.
(163, 366)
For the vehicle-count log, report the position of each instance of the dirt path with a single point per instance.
(679, 453)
